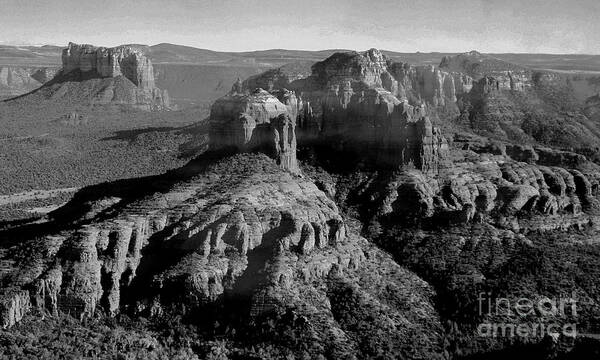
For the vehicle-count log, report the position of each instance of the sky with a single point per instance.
(491, 26)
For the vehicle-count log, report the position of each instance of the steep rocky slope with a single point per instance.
(239, 229)
(91, 75)
(499, 190)
(255, 121)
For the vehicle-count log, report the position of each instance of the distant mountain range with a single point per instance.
(177, 54)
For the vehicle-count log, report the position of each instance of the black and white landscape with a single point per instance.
(173, 202)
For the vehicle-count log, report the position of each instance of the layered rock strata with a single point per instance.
(507, 76)
(256, 121)
(126, 60)
(359, 102)
(86, 268)
(118, 75)
(549, 192)
(243, 228)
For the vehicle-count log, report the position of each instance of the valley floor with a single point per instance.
(48, 148)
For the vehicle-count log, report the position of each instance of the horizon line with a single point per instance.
(10, 44)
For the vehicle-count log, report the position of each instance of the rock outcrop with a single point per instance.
(508, 76)
(126, 60)
(88, 267)
(256, 121)
(98, 75)
(241, 227)
(364, 104)
(551, 191)
(428, 84)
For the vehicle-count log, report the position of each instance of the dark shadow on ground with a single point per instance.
(197, 134)
(73, 76)
(132, 134)
(129, 190)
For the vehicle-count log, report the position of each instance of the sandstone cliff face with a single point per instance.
(125, 60)
(367, 67)
(426, 83)
(255, 121)
(114, 67)
(359, 102)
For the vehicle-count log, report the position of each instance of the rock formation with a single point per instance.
(255, 121)
(246, 228)
(508, 76)
(119, 75)
(240, 227)
(126, 60)
(428, 84)
(360, 102)
(531, 189)
(364, 104)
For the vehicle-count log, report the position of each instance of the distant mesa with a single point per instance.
(99, 75)
(125, 60)
(505, 75)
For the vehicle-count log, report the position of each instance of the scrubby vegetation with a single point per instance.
(549, 114)
(463, 263)
(49, 146)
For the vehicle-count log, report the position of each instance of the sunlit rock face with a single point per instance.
(126, 61)
(256, 121)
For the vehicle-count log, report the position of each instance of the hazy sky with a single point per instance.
(548, 26)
